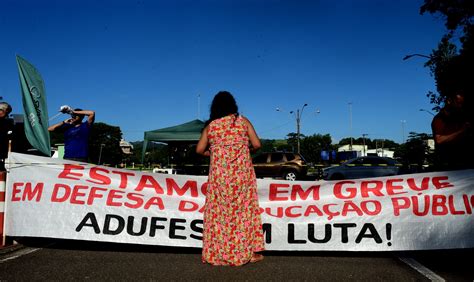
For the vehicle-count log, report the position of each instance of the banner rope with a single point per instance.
(15, 165)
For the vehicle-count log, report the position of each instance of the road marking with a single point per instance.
(19, 253)
(422, 269)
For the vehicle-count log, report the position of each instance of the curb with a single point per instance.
(10, 248)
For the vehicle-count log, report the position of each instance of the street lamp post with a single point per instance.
(298, 125)
(416, 55)
(199, 106)
(403, 130)
(423, 110)
(363, 138)
(298, 114)
(100, 152)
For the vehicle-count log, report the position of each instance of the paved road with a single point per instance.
(46, 260)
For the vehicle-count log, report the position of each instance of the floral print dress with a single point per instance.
(232, 223)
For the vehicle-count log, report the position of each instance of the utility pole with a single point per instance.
(199, 106)
(298, 114)
(100, 152)
(383, 146)
(298, 126)
(298, 130)
(363, 139)
(403, 122)
(350, 124)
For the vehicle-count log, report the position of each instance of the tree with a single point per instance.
(292, 140)
(311, 147)
(345, 141)
(157, 153)
(56, 137)
(415, 151)
(104, 143)
(371, 144)
(439, 62)
(387, 143)
(267, 145)
(283, 146)
(459, 15)
(271, 145)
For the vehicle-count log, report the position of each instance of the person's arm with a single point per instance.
(446, 138)
(442, 138)
(90, 115)
(201, 147)
(56, 126)
(253, 137)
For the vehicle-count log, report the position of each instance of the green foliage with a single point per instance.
(386, 143)
(156, 154)
(56, 137)
(104, 143)
(311, 147)
(415, 150)
(345, 141)
(438, 64)
(371, 144)
(136, 152)
(292, 140)
(458, 15)
(267, 145)
(275, 145)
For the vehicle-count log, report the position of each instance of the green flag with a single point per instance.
(34, 105)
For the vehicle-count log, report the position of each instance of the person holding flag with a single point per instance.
(76, 133)
(6, 128)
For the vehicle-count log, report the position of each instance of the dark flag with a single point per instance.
(34, 105)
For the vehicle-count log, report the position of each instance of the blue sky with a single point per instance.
(145, 65)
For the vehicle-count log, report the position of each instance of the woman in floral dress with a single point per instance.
(233, 232)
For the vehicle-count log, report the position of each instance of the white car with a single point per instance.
(166, 170)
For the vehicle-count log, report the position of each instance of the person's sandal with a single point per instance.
(256, 258)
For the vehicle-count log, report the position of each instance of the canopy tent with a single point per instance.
(186, 132)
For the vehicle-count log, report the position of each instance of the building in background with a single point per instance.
(126, 147)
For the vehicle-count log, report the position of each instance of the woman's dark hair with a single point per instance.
(222, 105)
(454, 77)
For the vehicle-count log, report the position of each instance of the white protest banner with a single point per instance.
(69, 200)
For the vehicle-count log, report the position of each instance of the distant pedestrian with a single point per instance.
(233, 232)
(6, 129)
(76, 133)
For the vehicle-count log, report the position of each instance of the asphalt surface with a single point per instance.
(67, 260)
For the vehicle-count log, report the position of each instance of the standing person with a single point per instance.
(453, 134)
(452, 126)
(76, 133)
(233, 232)
(6, 128)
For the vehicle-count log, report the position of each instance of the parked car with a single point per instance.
(290, 166)
(167, 170)
(363, 167)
